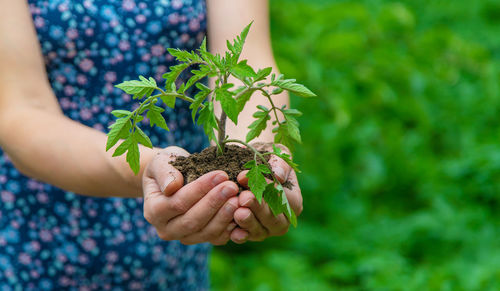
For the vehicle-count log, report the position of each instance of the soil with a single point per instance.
(198, 164)
(231, 162)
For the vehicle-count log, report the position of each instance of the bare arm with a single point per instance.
(39, 139)
(227, 18)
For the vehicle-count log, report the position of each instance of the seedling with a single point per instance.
(232, 100)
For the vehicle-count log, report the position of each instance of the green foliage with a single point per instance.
(232, 103)
(400, 150)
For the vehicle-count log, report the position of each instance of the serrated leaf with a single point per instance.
(295, 88)
(273, 200)
(285, 205)
(243, 99)
(203, 46)
(175, 71)
(156, 118)
(198, 100)
(282, 136)
(142, 138)
(262, 74)
(169, 100)
(208, 120)
(293, 128)
(258, 125)
(123, 147)
(121, 113)
(285, 157)
(228, 103)
(133, 157)
(138, 88)
(242, 70)
(119, 129)
(256, 180)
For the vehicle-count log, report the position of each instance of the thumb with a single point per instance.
(280, 168)
(168, 179)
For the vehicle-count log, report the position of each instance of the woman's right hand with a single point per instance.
(201, 211)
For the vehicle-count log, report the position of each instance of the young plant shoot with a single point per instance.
(232, 100)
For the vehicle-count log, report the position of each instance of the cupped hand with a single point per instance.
(201, 211)
(256, 221)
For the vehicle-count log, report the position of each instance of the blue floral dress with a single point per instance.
(56, 240)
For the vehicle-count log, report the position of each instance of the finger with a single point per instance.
(168, 178)
(225, 236)
(198, 216)
(275, 225)
(219, 228)
(280, 168)
(294, 195)
(246, 220)
(191, 193)
(239, 235)
(243, 179)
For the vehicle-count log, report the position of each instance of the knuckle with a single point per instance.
(190, 226)
(178, 206)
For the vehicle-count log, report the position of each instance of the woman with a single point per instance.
(56, 93)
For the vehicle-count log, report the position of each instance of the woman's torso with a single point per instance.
(51, 239)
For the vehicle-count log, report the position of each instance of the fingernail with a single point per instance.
(247, 217)
(167, 182)
(219, 179)
(280, 173)
(244, 237)
(247, 203)
(227, 192)
(230, 208)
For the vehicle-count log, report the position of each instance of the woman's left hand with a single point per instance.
(256, 221)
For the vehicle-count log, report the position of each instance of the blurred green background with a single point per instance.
(401, 152)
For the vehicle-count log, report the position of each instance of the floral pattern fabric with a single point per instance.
(56, 240)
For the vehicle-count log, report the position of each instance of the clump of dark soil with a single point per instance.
(198, 164)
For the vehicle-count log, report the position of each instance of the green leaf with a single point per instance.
(285, 157)
(242, 70)
(293, 128)
(198, 99)
(256, 180)
(228, 103)
(282, 136)
(175, 71)
(243, 99)
(141, 137)
(155, 117)
(295, 88)
(272, 198)
(292, 112)
(169, 100)
(121, 113)
(123, 147)
(208, 120)
(262, 74)
(286, 208)
(133, 157)
(138, 88)
(258, 125)
(119, 129)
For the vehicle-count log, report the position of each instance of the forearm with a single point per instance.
(57, 150)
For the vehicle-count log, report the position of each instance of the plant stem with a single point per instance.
(256, 153)
(222, 131)
(181, 96)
